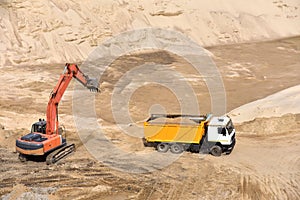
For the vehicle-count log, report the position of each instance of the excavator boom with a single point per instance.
(70, 71)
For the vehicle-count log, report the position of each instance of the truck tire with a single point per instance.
(216, 150)
(162, 147)
(176, 148)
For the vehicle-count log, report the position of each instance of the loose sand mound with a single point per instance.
(34, 32)
(274, 126)
(276, 105)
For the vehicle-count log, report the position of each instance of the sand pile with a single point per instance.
(286, 124)
(35, 32)
(276, 105)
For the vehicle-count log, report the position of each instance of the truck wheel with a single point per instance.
(22, 157)
(162, 147)
(176, 148)
(216, 150)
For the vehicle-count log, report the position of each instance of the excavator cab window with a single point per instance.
(39, 127)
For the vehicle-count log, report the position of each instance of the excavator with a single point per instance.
(46, 138)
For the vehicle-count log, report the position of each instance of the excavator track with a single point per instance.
(60, 154)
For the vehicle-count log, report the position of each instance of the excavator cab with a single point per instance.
(39, 127)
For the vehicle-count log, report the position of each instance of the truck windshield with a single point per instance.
(229, 127)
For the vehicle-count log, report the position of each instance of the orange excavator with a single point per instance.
(46, 137)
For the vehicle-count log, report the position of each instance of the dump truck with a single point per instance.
(197, 133)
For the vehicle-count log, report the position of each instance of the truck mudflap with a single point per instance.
(148, 144)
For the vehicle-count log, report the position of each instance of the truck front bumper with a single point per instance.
(228, 148)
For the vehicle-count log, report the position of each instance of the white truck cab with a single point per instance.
(220, 131)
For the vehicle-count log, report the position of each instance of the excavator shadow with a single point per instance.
(33, 158)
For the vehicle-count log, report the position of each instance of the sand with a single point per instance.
(276, 105)
(263, 165)
(261, 81)
(46, 32)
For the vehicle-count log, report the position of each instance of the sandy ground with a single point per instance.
(264, 164)
(69, 30)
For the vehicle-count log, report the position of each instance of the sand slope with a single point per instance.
(276, 105)
(34, 32)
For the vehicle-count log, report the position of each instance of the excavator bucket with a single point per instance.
(93, 85)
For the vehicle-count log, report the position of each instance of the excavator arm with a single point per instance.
(70, 71)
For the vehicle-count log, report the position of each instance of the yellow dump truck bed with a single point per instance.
(179, 131)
